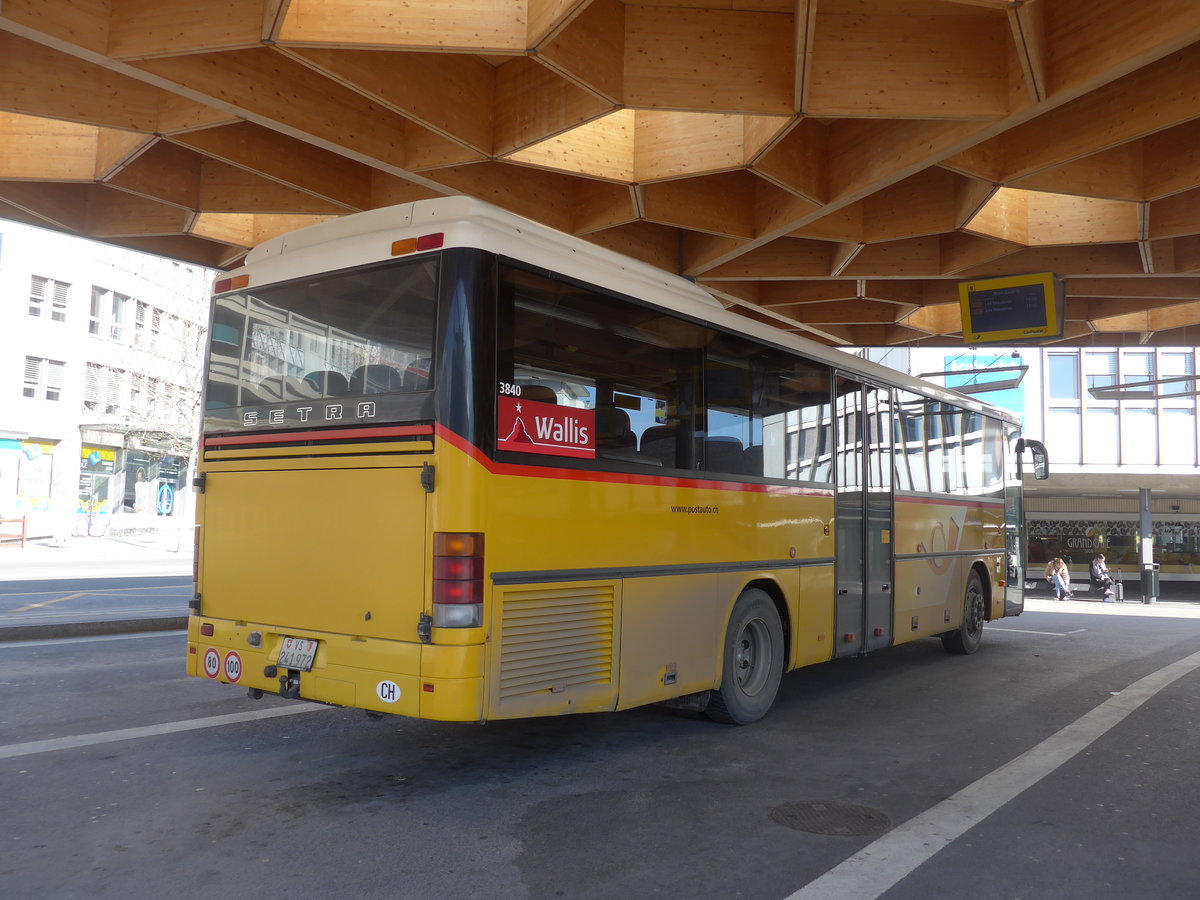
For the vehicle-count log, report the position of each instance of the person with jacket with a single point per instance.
(1059, 576)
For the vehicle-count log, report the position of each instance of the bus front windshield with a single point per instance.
(332, 349)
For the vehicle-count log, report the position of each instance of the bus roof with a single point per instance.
(368, 237)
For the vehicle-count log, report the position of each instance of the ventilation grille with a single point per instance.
(553, 639)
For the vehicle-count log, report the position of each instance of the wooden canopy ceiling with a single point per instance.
(832, 166)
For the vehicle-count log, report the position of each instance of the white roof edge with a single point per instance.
(366, 237)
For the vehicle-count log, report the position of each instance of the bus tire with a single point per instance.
(967, 637)
(753, 661)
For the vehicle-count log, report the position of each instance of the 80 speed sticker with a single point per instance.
(212, 662)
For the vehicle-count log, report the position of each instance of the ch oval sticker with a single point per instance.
(388, 691)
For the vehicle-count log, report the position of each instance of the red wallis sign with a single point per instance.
(529, 426)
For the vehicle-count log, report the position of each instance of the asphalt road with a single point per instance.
(74, 606)
(1058, 761)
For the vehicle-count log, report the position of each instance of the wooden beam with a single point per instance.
(166, 173)
(806, 29)
(303, 105)
(1148, 288)
(602, 148)
(718, 60)
(549, 17)
(1152, 98)
(533, 103)
(670, 144)
(389, 190)
(113, 213)
(911, 258)
(248, 230)
(33, 148)
(143, 28)
(117, 149)
(224, 188)
(799, 162)
(909, 66)
(782, 258)
(287, 161)
(719, 204)
(845, 312)
(1171, 160)
(183, 247)
(543, 196)
(589, 50)
(657, 245)
(44, 82)
(599, 205)
(80, 23)
(1113, 174)
(1028, 25)
(62, 206)
(778, 294)
(1093, 41)
(179, 114)
(1104, 259)
(450, 94)
(924, 203)
(942, 318)
(1176, 215)
(464, 26)
(960, 251)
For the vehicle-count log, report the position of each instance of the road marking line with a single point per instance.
(57, 642)
(128, 734)
(880, 865)
(992, 628)
(49, 602)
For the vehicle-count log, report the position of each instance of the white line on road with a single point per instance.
(30, 748)
(992, 628)
(883, 863)
(54, 642)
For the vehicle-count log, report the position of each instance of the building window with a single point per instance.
(117, 324)
(115, 392)
(43, 378)
(91, 387)
(96, 312)
(1178, 365)
(1100, 369)
(43, 289)
(1064, 376)
(1138, 367)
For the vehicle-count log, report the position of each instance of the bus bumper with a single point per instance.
(423, 681)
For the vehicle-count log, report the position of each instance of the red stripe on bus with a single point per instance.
(499, 468)
(282, 437)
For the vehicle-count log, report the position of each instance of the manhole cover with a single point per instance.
(826, 817)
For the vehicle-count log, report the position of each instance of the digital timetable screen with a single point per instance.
(1011, 310)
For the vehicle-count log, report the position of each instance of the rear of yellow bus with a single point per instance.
(319, 573)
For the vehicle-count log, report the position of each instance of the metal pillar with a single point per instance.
(1146, 550)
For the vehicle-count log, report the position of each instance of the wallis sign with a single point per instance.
(529, 426)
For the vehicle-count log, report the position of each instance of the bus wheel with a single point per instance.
(753, 663)
(966, 638)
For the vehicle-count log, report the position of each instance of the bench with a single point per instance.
(21, 535)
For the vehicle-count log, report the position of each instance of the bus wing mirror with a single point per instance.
(1041, 459)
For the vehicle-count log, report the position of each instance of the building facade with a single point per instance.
(1115, 420)
(101, 357)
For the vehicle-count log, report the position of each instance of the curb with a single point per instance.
(90, 629)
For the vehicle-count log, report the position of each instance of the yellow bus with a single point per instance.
(459, 466)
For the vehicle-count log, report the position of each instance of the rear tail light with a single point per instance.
(457, 580)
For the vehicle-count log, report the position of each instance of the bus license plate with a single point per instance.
(297, 653)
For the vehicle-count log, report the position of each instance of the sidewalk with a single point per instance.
(97, 557)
